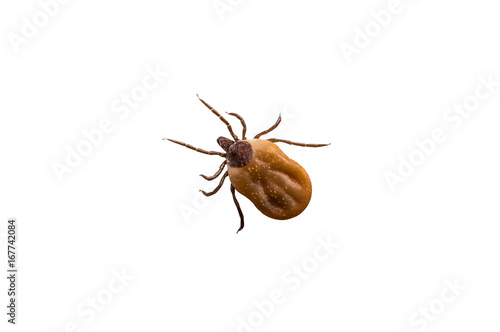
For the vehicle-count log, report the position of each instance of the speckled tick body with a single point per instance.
(257, 168)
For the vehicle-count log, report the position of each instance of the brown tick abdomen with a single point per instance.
(277, 185)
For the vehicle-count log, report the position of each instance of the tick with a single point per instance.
(278, 186)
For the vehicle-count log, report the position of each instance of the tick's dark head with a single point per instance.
(238, 153)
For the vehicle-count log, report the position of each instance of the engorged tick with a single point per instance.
(257, 168)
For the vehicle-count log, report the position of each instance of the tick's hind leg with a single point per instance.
(210, 178)
(242, 219)
(307, 145)
(218, 186)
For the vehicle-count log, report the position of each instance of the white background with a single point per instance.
(120, 208)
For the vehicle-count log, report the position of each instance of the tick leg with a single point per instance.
(218, 186)
(210, 178)
(307, 145)
(220, 117)
(242, 123)
(242, 219)
(270, 129)
(197, 149)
